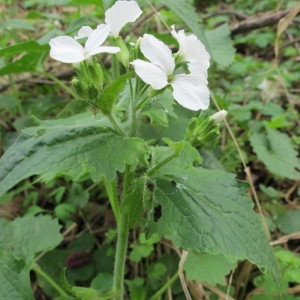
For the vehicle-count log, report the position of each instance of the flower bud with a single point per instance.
(219, 116)
(79, 88)
(202, 130)
(96, 75)
(123, 55)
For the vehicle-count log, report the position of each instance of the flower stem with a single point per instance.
(132, 110)
(116, 125)
(122, 240)
(111, 191)
(165, 287)
(60, 83)
(40, 272)
(162, 163)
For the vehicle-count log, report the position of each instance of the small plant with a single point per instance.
(154, 183)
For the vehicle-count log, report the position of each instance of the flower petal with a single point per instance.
(191, 49)
(198, 69)
(96, 38)
(190, 92)
(84, 31)
(151, 74)
(104, 49)
(66, 49)
(121, 13)
(158, 53)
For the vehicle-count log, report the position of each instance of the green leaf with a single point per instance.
(157, 117)
(28, 235)
(30, 62)
(209, 211)
(220, 45)
(275, 150)
(111, 94)
(74, 146)
(17, 24)
(205, 267)
(14, 278)
(29, 46)
(288, 222)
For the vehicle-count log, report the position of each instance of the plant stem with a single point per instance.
(111, 191)
(60, 83)
(119, 268)
(116, 125)
(132, 115)
(165, 287)
(122, 241)
(39, 271)
(162, 163)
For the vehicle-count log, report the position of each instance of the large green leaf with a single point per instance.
(220, 45)
(27, 236)
(14, 278)
(73, 146)
(275, 150)
(29, 46)
(209, 211)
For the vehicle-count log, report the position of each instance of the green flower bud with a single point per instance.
(79, 88)
(202, 130)
(123, 55)
(96, 75)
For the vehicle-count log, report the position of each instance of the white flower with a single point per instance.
(219, 116)
(191, 49)
(66, 49)
(121, 13)
(189, 90)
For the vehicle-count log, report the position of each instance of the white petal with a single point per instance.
(190, 92)
(66, 49)
(96, 38)
(151, 74)
(120, 14)
(83, 32)
(198, 69)
(104, 49)
(158, 53)
(191, 49)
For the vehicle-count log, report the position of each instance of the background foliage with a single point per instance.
(259, 89)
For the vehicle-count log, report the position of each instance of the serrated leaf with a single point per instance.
(73, 146)
(205, 267)
(275, 150)
(27, 236)
(209, 211)
(220, 45)
(157, 117)
(14, 278)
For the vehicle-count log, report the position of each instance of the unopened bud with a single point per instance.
(219, 116)
(96, 75)
(79, 88)
(123, 55)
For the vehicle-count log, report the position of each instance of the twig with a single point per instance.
(237, 14)
(256, 23)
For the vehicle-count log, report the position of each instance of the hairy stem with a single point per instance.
(162, 163)
(111, 191)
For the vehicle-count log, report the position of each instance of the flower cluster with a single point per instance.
(185, 71)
